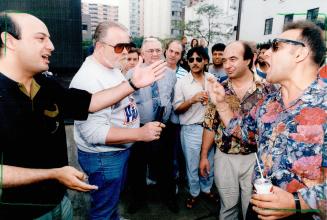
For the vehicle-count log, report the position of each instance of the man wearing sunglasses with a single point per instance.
(104, 139)
(190, 100)
(289, 126)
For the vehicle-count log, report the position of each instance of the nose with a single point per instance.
(125, 52)
(50, 45)
(226, 64)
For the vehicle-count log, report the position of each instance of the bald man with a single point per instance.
(33, 147)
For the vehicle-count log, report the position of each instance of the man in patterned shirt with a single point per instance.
(234, 160)
(289, 126)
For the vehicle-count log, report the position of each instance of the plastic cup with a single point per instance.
(263, 186)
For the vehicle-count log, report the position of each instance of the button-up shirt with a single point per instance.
(292, 141)
(232, 144)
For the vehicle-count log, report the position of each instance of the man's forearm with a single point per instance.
(184, 106)
(207, 141)
(12, 176)
(123, 135)
(109, 97)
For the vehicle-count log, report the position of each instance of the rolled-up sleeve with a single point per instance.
(178, 96)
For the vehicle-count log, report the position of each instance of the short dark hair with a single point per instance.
(134, 50)
(200, 51)
(265, 46)
(218, 47)
(8, 25)
(248, 53)
(312, 35)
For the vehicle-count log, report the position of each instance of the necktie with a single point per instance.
(155, 96)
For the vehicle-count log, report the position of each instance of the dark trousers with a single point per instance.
(159, 156)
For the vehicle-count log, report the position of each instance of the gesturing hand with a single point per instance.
(216, 91)
(144, 76)
(73, 179)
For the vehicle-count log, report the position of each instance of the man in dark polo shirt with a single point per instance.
(33, 152)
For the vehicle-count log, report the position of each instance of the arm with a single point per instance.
(198, 97)
(207, 141)
(149, 132)
(17, 176)
(142, 77)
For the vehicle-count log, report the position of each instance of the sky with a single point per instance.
(107, 2)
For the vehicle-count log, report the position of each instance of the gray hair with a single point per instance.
(103, 27)
(150, 39)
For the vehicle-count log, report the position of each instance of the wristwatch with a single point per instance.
(297, 203)
(132, 85)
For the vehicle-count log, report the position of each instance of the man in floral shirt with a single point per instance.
(289, 126)
(234, 159)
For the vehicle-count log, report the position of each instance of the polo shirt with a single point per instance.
(32, 135)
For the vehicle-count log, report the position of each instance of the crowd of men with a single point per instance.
(139, 115)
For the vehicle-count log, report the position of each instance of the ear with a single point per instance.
(302, 54)
(248, 62)
(8, 40)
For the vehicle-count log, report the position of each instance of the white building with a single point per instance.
(134, 17)
(227, 18)
(99, 13)
(262, 20)
(157, 18)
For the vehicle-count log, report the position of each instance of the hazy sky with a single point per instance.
(107, 2)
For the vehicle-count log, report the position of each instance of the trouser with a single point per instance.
(159, 156)
(233, 175)
(191, 139)
(107, 170)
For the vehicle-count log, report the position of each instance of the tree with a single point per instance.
(208, 27)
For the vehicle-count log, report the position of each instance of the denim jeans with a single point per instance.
(191, 139)
(107, 170)
(63, 211)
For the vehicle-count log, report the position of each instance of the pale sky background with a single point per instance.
(106, 2)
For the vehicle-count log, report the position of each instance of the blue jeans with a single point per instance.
(191, 139)
(107, 170)
(63, 211)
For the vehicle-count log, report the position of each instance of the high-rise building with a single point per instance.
(59, 16)
(100, 13)
(134, 17)
(177, 18)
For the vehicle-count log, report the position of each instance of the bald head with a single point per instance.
(243, 48)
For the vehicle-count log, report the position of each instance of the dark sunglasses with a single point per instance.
(118, 48)
(274, 43)
(198, 59)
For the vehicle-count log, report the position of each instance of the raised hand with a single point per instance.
(200, 97)
(73, 179)
(216, 91)
(145, 76)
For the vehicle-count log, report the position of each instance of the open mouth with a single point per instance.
(46, 57)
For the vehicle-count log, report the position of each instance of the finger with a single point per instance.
(266, 213)
(86, 186)
(160, 72)
(264, 197)
(158, 63)
(267, 217)
(262, 204)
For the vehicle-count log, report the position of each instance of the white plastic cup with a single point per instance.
(263, 186)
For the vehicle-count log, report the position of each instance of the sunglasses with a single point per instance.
(118, 48)
(274, 43)
(198, 59)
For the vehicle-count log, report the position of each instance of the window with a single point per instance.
(84, 27)
(288, 18)
(312, 14)
(268, 26)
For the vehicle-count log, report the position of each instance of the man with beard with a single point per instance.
(104, 139)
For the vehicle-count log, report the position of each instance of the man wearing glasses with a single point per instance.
(103, 140)
(190, 100)
(289, 125)
(157, 155)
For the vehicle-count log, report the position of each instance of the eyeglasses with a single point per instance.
(274, 43)
(198, 59)
(154, 50)
(118, 48)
